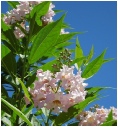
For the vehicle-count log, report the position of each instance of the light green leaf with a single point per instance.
(13, 3)
(65, 37)
(77, 60)
(4, 26)
(45, 39)
(90, 55)
(5, 51)
(17, 111)
(107, 60)
(110, 123)
(24, 89)
(93, 66)
(78, 52)
(40, 10)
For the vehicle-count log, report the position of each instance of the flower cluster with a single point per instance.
(89, 118)
(24, 8)
(18, 15)
(58, 91)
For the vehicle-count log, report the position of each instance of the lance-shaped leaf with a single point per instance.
(89, 56)
(93, 66)
(107, 60)
(8, 60)
(44, 40)
(40, 10)
(65, 37)
(17, 111)
(24, 89)
(78, 53)
(109, 120)
(35, 21)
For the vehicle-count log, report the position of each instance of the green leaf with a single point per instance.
(8, 33)
(110, 116)
(43, 7)
(24, 89)
(28, 110)
(107, 60)
(91, 91)
(77, 60)
(8, 60)
(78, 52)
(31, 80)
(110, 123)
(13, 3)
(73, 111)
(45, 39)
(5, 51)
(39, 112)
(58, 11)
(17, 111)
(65, 37)
(6, 109)
(64, 44)
(93, 66)
(47, 66)
(4, 26)
(90, 55)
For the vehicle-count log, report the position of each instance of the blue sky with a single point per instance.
(99, 19)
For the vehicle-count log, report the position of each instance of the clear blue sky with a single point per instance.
(99, 19)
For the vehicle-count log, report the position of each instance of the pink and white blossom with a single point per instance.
(58, 91)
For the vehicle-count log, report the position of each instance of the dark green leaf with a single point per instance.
(78, 52)
(17, 111)
(73, 111)
(45, 39)
(9, 35)
(93, 66)
(31, 80)
(6, 109)
(8, 60)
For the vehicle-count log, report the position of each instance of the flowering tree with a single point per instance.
(46, 91)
